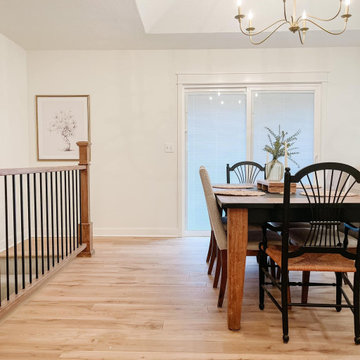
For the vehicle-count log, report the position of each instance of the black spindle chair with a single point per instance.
(245, 171)
(322, 247)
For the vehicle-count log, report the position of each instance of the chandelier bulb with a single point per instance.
(347, 5)
(239, 8)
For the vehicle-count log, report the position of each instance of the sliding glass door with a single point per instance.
(227, 126)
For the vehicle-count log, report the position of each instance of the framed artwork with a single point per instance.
(61, 121)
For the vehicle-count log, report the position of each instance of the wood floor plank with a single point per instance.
(151, 299)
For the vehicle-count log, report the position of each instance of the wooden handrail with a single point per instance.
(36, 170)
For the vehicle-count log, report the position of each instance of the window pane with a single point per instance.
(216, 136)
(290, 110)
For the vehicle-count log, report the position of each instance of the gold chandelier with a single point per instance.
(296, 24)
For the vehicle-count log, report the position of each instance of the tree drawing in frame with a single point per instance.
(65, 124)
(62, 121)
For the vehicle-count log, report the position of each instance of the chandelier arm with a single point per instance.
(301, 38)
(329, 19)
(262, 41)
(285, 15)
(261, 31)
(328, 31)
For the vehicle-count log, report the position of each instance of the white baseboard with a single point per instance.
(137, 232)
(197, 233)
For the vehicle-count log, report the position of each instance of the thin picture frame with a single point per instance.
(61, 121)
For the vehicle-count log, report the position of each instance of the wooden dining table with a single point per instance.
(242, 210)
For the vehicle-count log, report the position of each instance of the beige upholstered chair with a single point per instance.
(220, 238)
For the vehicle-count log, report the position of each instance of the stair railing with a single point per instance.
(44, 223)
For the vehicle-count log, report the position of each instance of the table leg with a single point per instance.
(237, 236)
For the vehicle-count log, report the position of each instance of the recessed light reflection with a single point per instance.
(239, 101)
(222, 102)
(256, 94)
(219, 93)
(210, 97)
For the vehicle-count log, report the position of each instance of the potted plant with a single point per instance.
(280, 144)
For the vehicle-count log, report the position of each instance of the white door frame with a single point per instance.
(297, 81)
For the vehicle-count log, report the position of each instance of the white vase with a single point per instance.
(274, 170)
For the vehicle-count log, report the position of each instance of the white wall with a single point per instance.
(14, 136)
(134, 112)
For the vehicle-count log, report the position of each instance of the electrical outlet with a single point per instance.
(169, 148)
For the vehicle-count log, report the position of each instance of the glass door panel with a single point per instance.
(216, 135)
(292, 111)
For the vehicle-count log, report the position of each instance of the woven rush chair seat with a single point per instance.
(297, 236)
(313, 261)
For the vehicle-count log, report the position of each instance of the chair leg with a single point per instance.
(356, 285)
(289, 297)
(272, 268)
(211, 244)
(217, 269)
(223, 254)
(262, 266)
(213, 257)
(305, 287)
(284, 305)
(338, 290)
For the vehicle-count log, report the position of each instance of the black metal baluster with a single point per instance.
(47, 221)
(7, 240)
(80, 219)
(15, 234)
(57, 215)
(41, 225)
(22, 231)
(73, 208)
(65, 214)
(52, 218)
(29, 226)
(77, 207)
(61, 217)
(69, 214)
(36, 230)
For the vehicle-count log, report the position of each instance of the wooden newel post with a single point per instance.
(86, 224)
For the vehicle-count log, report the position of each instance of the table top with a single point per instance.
(271, 200)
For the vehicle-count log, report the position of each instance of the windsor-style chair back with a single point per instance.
(246, 172)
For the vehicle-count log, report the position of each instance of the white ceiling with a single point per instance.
(157, 24)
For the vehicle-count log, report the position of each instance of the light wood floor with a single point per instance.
(151, 299)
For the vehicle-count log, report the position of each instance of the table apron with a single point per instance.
(262, 215)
